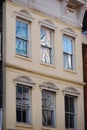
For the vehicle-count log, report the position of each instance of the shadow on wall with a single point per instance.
(84, 23)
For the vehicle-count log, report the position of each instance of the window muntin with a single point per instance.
(68, 52)
(70, 112)
(48, 108)
(23, 104)
(22, 37)
(46, 38)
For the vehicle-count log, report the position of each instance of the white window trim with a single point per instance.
(28, 40)
(50, 86)
(51, 48)
(73, 53)
(26, 17)
(75, 98)
(47, 23)
(69, 32)
(71, 91)
(28, 82)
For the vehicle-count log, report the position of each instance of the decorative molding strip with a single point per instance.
(24, 80)
(49, 86)
(48, 23)
(24, 15)
(71, 91)
(63, 79)
(69, 31)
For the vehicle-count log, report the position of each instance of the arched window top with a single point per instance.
(69, 31)
(49, 85)
(48, 23)
(71, 91)
(24, 14)
(24, 80)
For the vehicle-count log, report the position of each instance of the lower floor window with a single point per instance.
(23, 104)
(48, 108)
(70, 112)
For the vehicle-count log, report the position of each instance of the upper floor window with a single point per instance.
(48, 108)
(46, 42)
(22, 38)
(70, 112)
(68, 52)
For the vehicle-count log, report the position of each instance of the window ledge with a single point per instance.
(23, 125)
(71, 71)
(22, 57)
(48, 128)
(49, 65)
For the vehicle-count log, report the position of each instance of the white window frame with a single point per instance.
(27, 82)
(69, 32)
(72, 92)
(71, 113)
(52, 110)
(47, 23)
(28, 41)
(51, 87)
(51, 55)
(69, 54)
(22, 106)
(25, 16)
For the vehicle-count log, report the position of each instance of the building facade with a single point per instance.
(42, 61)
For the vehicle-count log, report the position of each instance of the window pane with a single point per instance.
(67, 61)
(72, 121)
(45, 37)
(72, 105)
(21, 46)
(66, 104)
(25, 96)
(24, 114)
(67, 45)
(49, 118)
(48, 108)
(44, 117)
(45, 55)
(21, 29)
(19, 95)
(18, 114)
(67, 120)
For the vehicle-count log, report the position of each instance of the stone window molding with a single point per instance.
(71, 91)
(24, 80)
(49, 86)
(47, 23)
(24, 15)
(69, 32)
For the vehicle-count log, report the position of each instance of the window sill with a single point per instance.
(23, 125)
(48, 128)
(49, 65)
(71, 71)
(23, 57)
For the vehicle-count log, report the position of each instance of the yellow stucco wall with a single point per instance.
(39, 72)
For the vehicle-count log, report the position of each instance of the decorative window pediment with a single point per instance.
(24, 15)
(71, 91)
(49, 86)
(69, 32)
(24, 80)
(48, 23)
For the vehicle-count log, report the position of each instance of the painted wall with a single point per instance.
(40, 72)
